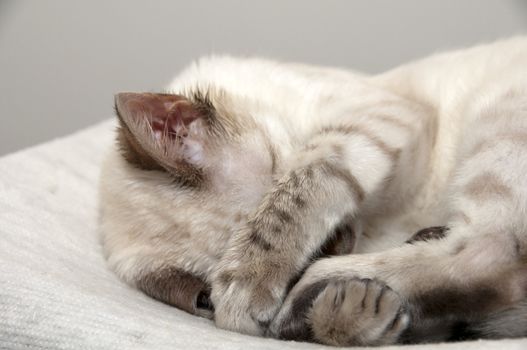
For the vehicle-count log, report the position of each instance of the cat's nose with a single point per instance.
(203, 301)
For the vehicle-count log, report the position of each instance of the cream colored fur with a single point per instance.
(413, 157)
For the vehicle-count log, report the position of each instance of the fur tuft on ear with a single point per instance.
(162, 132)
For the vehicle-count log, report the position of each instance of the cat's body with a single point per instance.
(234, 184)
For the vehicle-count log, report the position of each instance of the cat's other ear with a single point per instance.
(162, 132)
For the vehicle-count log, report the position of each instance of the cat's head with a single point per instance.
(186, 171)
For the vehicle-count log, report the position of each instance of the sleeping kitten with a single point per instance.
(232, 183)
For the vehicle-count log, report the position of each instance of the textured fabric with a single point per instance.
(55, 289)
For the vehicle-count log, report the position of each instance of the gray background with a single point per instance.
(62, 61)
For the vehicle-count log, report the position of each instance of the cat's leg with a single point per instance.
(478, 268)
(380, 315)
(339, 170)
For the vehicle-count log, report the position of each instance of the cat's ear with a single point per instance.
(161, 131)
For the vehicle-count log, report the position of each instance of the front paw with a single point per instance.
(357, 312)
(245, 305)
(343, 312)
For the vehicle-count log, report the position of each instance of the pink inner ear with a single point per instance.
(166, 114)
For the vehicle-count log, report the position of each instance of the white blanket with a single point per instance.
(55, 289)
